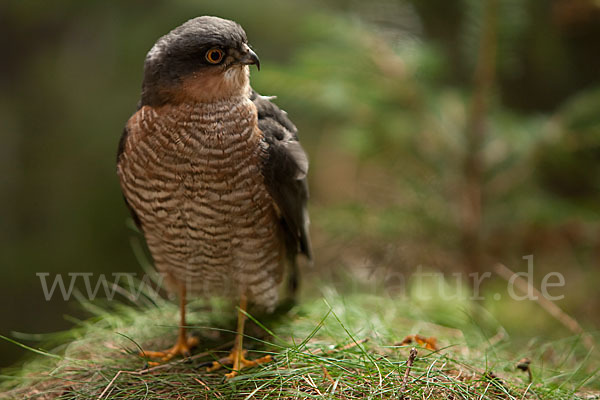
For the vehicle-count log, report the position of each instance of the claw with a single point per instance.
(237, 357)
(182, 347)
(239, 361)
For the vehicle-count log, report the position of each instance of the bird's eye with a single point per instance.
(214, 56)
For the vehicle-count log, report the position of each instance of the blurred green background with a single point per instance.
(443, 135)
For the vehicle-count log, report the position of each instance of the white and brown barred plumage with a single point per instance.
(212, 172)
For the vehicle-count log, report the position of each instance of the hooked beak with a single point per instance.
(250, 57)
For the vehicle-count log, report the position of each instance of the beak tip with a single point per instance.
(255, 59)
(250, 58)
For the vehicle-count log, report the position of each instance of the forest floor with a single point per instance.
(330, 345)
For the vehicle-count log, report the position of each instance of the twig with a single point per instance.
(217, 394)
(327, 375)
(111, 383)
(409, 363)
(552, 309)
(311, 383)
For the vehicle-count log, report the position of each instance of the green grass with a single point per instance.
(329, 346)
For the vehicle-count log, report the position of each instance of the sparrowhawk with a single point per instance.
(214, 174)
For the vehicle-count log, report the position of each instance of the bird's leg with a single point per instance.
(237, 357)
(184, 343)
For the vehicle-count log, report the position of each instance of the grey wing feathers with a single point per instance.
(284, 170)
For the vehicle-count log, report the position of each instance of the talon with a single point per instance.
(216, 365)
(228, 360)
(258, 361)
(239, 358)
(182, 347)
(231, 374)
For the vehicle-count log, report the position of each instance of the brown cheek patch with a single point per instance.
(212, 85)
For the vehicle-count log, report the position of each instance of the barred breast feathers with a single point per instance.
(192, 174)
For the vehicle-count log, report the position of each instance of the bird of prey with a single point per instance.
(214, 176)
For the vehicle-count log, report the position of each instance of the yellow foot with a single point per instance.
(238, 360)
(182, 347)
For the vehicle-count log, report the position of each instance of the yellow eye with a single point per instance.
(214, 56)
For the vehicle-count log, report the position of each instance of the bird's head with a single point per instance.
(205, 60)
